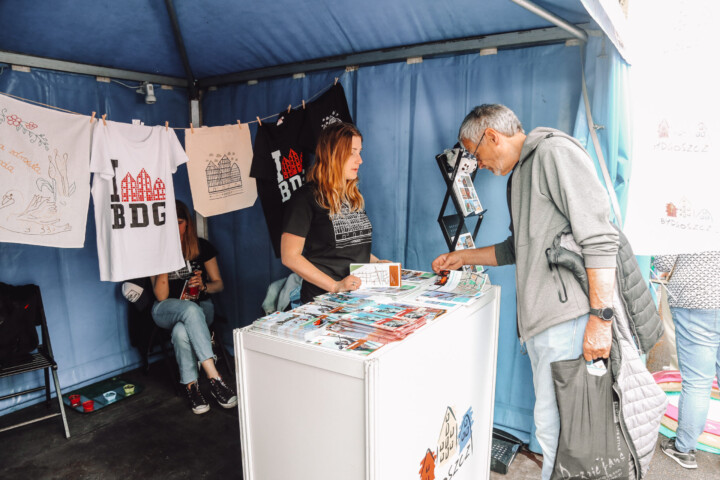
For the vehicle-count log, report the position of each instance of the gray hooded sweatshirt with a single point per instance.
(554, 186)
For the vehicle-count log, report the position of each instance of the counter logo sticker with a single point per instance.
(427, 466)
(453, 448)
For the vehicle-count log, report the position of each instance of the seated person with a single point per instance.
(325, 227)
(189, 318)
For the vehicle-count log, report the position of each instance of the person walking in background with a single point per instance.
(694, 299)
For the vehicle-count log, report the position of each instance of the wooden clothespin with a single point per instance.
(166, 126)
(289, 107)
(92, 119)
(103, 119)
(192, 130)
(303, 104)
(259, 121)
(239, 124)
(336, 79)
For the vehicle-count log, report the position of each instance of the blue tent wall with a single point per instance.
(86, 317)
(408, 114)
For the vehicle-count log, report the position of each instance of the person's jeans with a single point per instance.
(560, 342)
(697, 337)
(189, 323)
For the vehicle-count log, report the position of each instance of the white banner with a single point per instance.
(674, 202)
(219, 169)
(674, 199)
(44, 175)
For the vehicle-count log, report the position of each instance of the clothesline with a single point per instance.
(257, 120)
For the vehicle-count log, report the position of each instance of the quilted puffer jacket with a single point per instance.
(636, 329)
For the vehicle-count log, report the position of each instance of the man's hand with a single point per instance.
(448, 261)
(598, 339)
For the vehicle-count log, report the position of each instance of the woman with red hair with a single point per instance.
(325, 227)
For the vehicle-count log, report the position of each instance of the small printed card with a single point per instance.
(375, 275)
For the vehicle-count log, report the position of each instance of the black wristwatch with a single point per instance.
(605, 313)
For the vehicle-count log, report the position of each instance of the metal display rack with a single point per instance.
(453, 225)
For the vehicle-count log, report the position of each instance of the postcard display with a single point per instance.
(458, 169)
(420, 408)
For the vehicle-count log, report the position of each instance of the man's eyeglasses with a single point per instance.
(478, 143)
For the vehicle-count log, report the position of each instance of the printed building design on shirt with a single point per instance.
(292, 164)
(224, 178)
(351, 228)
(141, 188)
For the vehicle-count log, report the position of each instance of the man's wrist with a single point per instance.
(603, 313)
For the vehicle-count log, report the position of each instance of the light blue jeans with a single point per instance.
(697, 337)
(560, 342)
(189, 323)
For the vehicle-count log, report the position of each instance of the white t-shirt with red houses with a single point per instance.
(135, 217)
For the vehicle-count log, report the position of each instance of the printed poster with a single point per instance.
(219, 169)
(44, 175)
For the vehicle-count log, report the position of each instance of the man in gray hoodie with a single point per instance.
(552, 186)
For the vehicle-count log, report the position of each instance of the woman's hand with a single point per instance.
(348, 284)
(196, 280)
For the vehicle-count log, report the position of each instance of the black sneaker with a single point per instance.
(686, 460)
(222, 393)
(197, 402)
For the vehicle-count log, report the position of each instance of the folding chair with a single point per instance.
(41, 359)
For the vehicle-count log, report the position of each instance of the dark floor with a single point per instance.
(152, 435)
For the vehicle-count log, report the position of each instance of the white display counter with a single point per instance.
(417, 409)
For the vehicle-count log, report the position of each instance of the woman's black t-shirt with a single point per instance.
(332, 242)
(177, 278)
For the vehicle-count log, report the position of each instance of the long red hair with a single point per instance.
(189, 241)
(333, 149)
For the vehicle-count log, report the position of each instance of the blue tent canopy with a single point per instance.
(214, 51)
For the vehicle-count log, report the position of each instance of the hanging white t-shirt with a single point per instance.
(135, 217)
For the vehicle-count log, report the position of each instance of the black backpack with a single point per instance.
(20, 311)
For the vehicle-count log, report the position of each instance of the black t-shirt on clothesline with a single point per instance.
(283, 152)
(279, 166)
(177, 278)
(332, 242)
(331, 107)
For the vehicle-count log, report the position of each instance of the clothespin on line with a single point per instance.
(289, 107)
(166, 126)
(103, 119)
(239, 124)
(303, 104)
(192, 130)
(92, 119)
(336, 80)
(258, 120)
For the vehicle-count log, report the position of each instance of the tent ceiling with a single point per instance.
(223, 37)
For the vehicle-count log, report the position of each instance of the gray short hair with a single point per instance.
(495, 116)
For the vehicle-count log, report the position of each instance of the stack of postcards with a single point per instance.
(382, 323)
(454, 289)
(292, 324)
